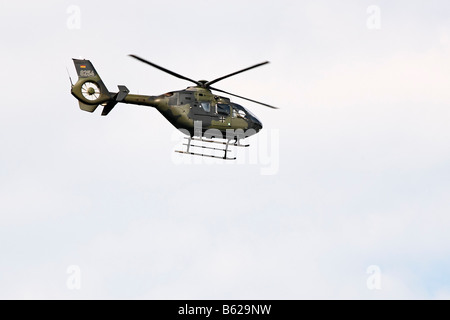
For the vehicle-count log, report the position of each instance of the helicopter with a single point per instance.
(195, 111)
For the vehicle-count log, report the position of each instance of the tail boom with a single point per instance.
(90, 91)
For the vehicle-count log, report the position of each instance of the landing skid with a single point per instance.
(209, 146)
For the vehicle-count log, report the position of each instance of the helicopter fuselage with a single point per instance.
(203, 116)
(196, 110)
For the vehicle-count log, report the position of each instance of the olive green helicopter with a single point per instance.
(195, 111)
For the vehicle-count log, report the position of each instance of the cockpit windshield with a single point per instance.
(236, 111)
(242, 112)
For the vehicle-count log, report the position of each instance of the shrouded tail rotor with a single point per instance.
(89, 89)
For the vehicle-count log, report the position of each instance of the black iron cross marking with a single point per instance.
(222, 119)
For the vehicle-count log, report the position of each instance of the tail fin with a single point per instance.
(89, 89)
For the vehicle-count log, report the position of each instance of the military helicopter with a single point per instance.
(195, 111)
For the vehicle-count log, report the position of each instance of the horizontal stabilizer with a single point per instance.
(107, 109)
(118, 97)
(123, 92)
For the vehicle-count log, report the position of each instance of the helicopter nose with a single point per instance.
(257, 125)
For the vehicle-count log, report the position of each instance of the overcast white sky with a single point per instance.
(352, 172)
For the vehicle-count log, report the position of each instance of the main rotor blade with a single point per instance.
(165, 70)
(235, 73)
(235, 95)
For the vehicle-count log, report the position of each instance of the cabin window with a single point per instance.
(234, 113)
(205, 106)
(223, 109)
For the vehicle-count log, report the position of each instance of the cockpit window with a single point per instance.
(238, 113)
(205, 106)
(244, 113)
(223, 109)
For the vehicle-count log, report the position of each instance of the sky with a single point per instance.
(342, 195)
